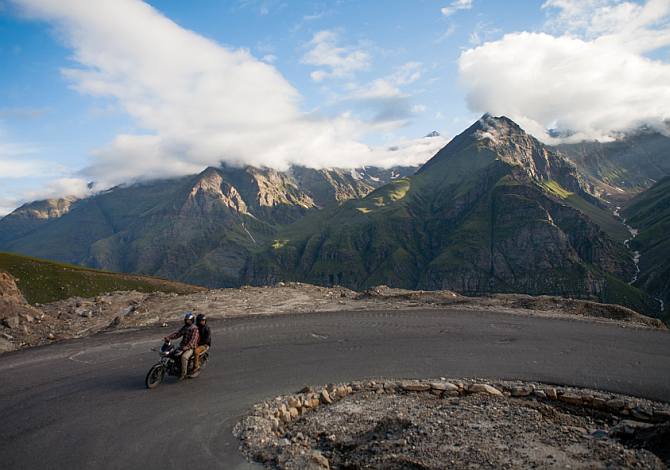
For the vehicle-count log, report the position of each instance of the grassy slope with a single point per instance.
(45, 281)
(606, 221)
(650, 213)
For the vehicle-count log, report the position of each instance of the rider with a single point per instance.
(205, 339)
(189, 340)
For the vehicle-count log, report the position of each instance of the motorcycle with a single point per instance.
(170, 364)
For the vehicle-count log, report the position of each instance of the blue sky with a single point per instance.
(118, 91)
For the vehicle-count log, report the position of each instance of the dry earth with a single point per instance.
(23, 325)
(439, 424)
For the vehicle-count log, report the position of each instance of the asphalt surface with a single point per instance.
(82, 403)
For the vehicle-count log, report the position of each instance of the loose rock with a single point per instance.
(484, 388)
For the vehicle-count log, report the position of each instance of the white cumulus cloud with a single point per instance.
(199, 103)
(593, 73)
(19, 163)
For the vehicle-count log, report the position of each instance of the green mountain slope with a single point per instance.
(494, 211)
(197, 229)
(43, 281)
(650, 214)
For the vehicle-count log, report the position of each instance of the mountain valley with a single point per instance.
(494, 211)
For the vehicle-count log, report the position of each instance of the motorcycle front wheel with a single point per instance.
(155, 376)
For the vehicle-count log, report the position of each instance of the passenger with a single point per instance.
(205, 334)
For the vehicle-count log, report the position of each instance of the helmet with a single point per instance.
(200, 317)
(189, 316)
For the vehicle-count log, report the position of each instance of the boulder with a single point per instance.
(521, 391)
(312, 460)
(599, 403)
(11, 322)
(484, 388)
(6, 345)
(571, 398)
(615, 404)
(444, 386)
(415, 386)
(641, 414)
(629, 427)
(325, 397)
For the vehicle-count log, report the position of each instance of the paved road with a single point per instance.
(82, 404)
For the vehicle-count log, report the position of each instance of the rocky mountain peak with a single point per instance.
(493, 139)
(210, 192)
(496, 129)
(46, 209)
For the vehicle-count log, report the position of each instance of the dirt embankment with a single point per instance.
(23, 325)
(15, 314)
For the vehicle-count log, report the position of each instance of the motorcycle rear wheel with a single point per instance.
(155, 376)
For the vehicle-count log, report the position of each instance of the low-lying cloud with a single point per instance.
(201, 103)
(592, 75)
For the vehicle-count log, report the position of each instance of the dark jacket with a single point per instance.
(205, 335)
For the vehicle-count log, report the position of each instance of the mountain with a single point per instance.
(649, 213)
(32, 215)
(630, 164)
(494, 211)
(197, 228)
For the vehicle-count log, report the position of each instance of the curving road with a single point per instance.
(82, 403)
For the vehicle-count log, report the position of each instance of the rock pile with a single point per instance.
(17, 317)
(277, 432)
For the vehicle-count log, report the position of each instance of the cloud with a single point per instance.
(57, 188)
(262, 7)
(592, 77)
(446, 34)
(54, 189)
(411, 151)
(14, 159)
(18, 165)
(383, 99)
(17, 160)
(455, 6)
(482, 32)
(199, 103)
(335, 61)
